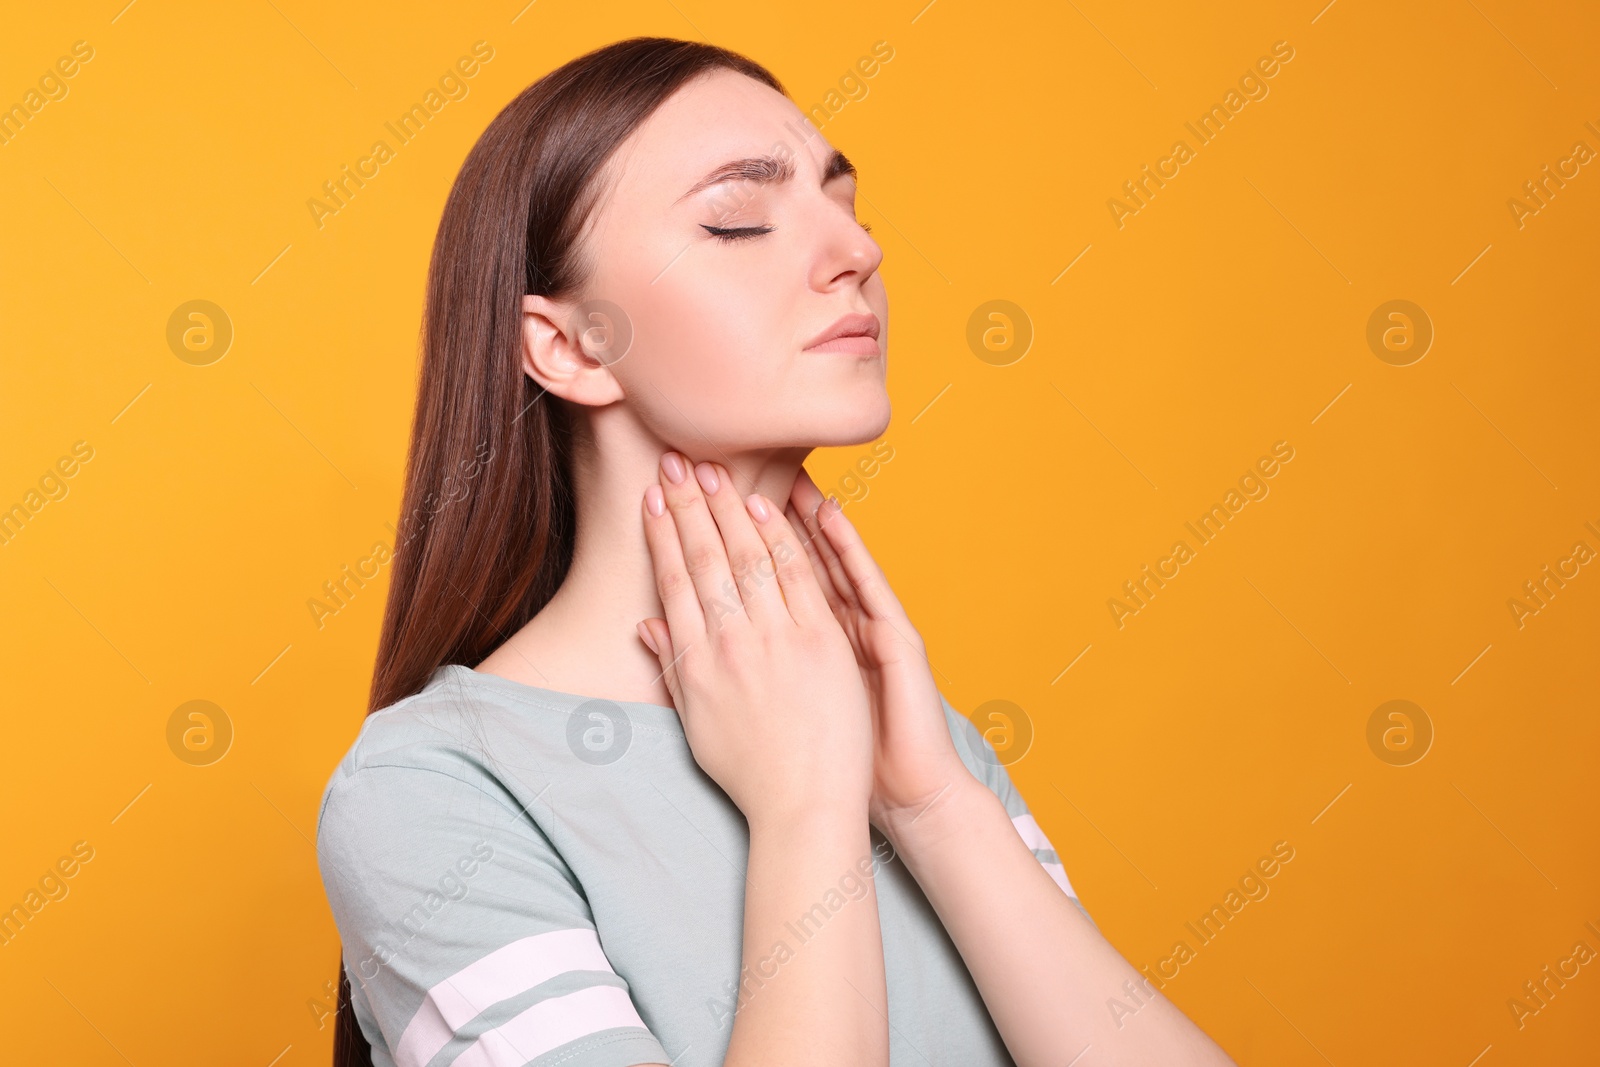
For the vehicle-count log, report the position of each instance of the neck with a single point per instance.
(585, 640)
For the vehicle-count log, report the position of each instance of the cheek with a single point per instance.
(711, 334)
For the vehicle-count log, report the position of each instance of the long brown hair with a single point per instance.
(487, 515)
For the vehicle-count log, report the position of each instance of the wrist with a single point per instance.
(819, 818)
(947, 812)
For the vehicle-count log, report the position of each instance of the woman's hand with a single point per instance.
(915, 763)
(763, 677)
(774, 711)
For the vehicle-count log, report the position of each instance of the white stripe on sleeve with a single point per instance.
(1059, 873)
(1033, 836)
(500, 975)
(550, 1024)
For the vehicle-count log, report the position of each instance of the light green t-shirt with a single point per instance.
(527, 877)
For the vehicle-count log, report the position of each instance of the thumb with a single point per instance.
(658, 638)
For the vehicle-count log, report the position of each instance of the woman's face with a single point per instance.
(723, 327)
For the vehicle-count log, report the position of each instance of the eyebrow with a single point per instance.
(768, 170)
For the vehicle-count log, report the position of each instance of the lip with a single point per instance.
(853, 334)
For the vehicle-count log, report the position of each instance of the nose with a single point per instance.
(845, 252)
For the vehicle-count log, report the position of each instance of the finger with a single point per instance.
(797, 522)
(749, 560)
(658, 638)
(704, 557)
(818, 566)
(866, 578)
(804, 493)
(830, 558)
(802, 591)
(807, 498)
(673, 584)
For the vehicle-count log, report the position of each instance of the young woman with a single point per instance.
(657, 771)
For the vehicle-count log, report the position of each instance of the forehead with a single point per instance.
(714, 118)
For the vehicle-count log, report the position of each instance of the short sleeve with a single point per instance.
(982, 760)
(467, 940)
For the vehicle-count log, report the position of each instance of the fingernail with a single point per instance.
(644, 633)
(706, 476)
(673, 466)
(654, 502)
(758, 507)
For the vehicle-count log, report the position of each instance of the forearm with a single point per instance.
(1045, 973)
(812, 983)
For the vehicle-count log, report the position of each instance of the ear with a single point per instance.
(553, 352)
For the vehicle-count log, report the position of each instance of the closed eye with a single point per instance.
(744, 233)
(736, 233)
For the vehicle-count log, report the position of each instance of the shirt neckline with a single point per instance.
(658, 715)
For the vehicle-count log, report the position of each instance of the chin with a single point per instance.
(862, 419)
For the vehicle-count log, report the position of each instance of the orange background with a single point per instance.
(1229, 313)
